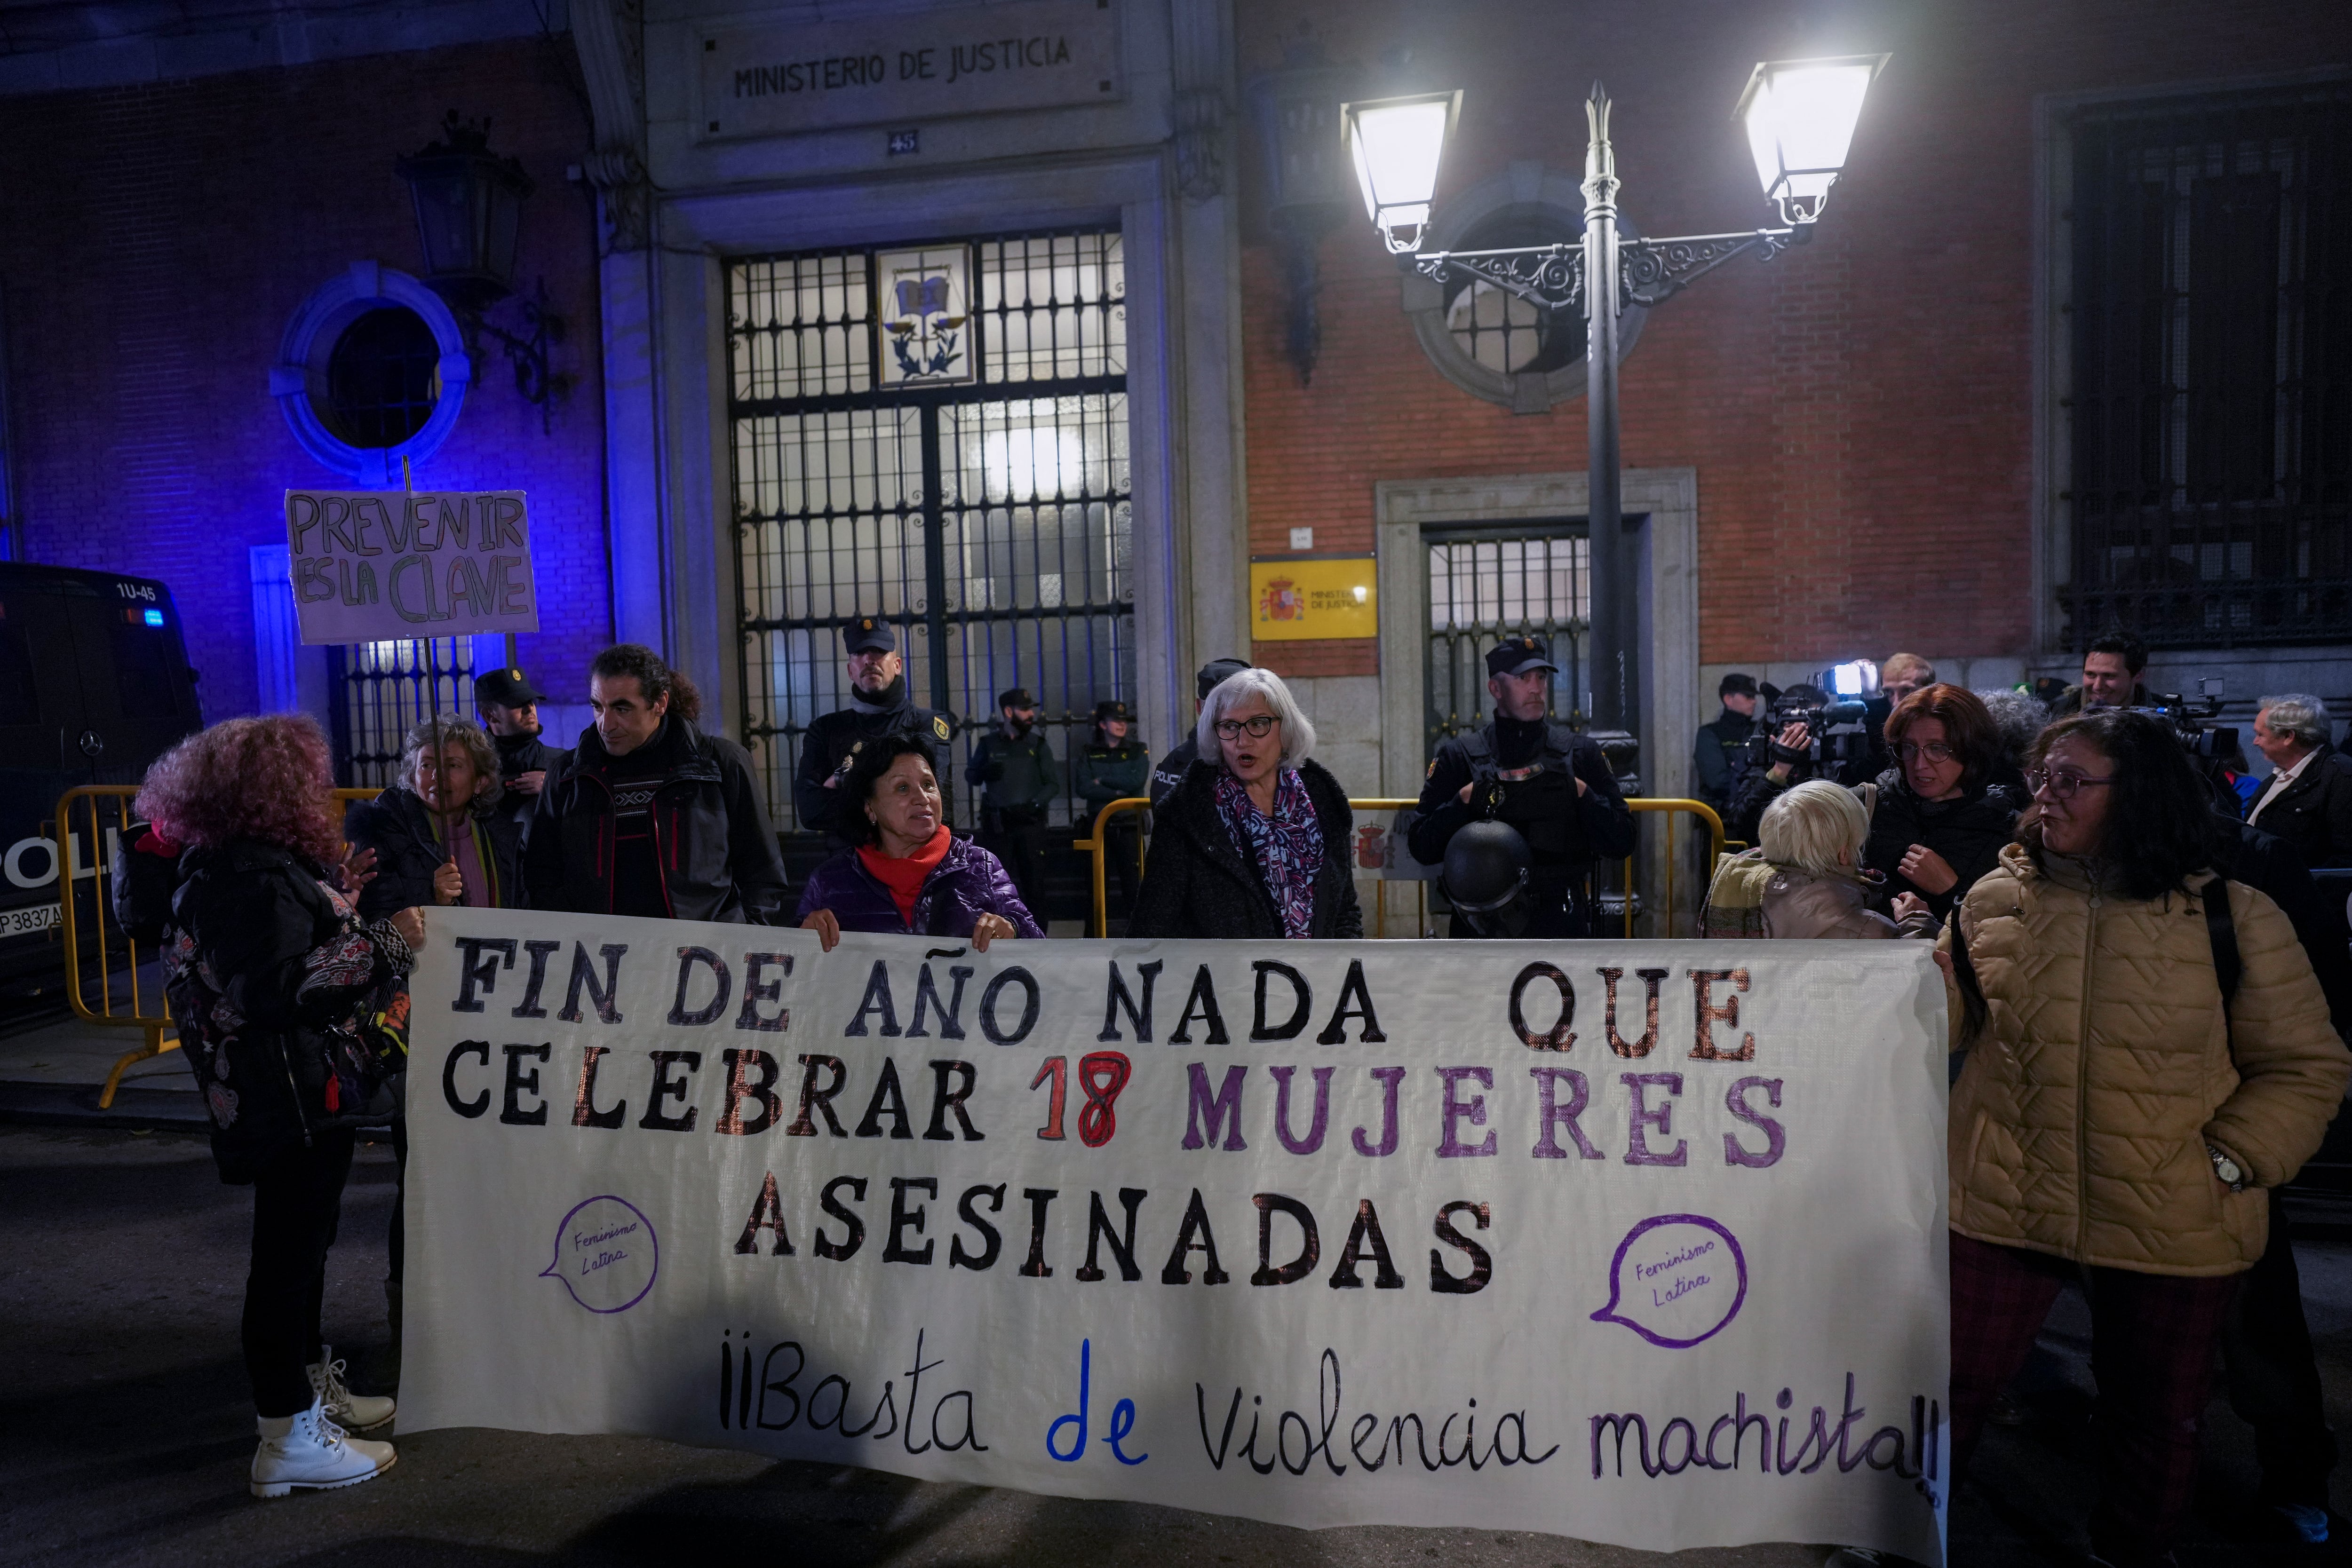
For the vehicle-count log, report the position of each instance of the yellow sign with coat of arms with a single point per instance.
(1300, 598)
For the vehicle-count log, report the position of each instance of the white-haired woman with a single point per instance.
(436, 836)
(1812, 838)
(1255, 841)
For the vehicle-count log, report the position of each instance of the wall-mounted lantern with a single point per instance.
(469, 225)
(1297, 112)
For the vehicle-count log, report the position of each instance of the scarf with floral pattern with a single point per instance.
(1287, 846)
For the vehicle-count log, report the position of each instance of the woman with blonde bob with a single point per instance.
(1812, 838)
(1253, 842)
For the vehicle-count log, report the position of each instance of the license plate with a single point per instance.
(25, 921)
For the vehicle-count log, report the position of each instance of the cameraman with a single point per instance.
(1795, 754)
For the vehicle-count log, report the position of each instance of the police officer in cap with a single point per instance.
(1179, 761)
(1541, 778)
(510, 707)
(880, 704)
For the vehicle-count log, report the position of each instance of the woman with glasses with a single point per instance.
(1255, 842)
(437, 834)
(2118, 1120)
(1939, 820)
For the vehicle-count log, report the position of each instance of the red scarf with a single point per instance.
(905, 878)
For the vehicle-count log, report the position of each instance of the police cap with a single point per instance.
(1517, 655)
(506, 688)
(869, 634)
(1215, 673)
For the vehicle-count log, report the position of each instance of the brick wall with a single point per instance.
(157, 240)
(1858, 410)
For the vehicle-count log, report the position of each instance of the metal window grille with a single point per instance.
(2211, 499)
(383, 688)
(1486, 584)
(384, 377)
(985, 512)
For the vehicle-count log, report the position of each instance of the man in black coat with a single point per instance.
(1543, 779)
(1721, 755)
(880, 704)
(652, 816)
(510, 708)
(2307, 799)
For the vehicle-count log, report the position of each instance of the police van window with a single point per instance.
(19, 701)
(144, 682)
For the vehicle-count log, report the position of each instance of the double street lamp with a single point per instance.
(1800, 117)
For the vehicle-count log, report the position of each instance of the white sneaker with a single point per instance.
(353, 1412)
(310, 1451)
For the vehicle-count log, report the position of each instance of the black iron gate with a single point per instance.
(383, 688)
(1484, 582)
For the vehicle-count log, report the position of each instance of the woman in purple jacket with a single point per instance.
(910, 873)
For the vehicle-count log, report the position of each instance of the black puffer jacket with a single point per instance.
(1968, 832)
(1196, 884)
(719, 858)
(272, 977)
(399, 828)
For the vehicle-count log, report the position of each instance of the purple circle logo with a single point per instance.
(605, 1254)
(1676, 1281)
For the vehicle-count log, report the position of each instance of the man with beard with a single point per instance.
(510, 708)
(1543, 779)
(880, 704)
(1019, 780)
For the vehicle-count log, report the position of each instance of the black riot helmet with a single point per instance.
(1486, 867)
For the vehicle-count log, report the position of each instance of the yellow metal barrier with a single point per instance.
(1096, 847)
(97, 815)
(1705, 813)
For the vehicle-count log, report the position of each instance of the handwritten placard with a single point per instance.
(370, 565)
(1642, 1242)
(901, 65)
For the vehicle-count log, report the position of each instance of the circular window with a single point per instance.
(1485, 340)
(372, 369)
(384, 377)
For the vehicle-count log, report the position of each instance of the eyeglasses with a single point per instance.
(1932, 750)
(2062, 786)
(1259, 727)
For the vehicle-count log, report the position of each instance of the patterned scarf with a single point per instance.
(1287, 846)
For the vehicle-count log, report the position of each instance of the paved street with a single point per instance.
(124, 1431)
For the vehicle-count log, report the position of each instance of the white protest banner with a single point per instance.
(372, 565)
(1637, 1243)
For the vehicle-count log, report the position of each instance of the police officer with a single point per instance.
(510, 707)
(1722, 755)
(1019, 781)
(1543, 779)
(1179, 759)
(880, 704)
(1115, 767)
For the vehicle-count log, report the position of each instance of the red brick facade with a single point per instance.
(1859, 411)
(158, 239)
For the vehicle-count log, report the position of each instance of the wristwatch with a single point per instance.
(2231, 1173)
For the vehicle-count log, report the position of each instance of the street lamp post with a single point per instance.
(1800, 117)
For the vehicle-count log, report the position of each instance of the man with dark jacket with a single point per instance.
(2307, 799)
(1019, 781)
(1721, 756)
(1543, 779)
(2111, 667)
(652, 816)
(510, 708)
(879, 704)
(1187, 751)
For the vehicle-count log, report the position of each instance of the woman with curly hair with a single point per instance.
(279, 988)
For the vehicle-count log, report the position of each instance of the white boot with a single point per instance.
(310, 1451)
(352, 1412)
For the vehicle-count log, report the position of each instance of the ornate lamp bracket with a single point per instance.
(1650, 271)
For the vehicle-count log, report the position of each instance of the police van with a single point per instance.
(94, 686)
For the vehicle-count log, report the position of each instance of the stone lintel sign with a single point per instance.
(901, 65)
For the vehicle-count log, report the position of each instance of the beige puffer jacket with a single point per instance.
(2080, 1122)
